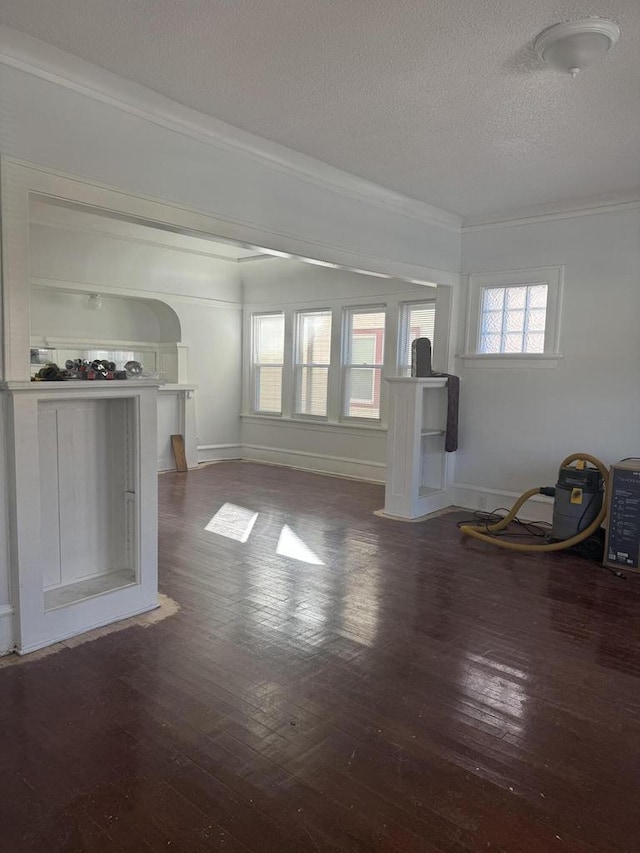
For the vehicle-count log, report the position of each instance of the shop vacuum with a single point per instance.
(579, 508)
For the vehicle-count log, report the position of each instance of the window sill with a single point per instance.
(311, 424)
(502, 360)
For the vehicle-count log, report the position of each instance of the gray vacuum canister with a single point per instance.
(578, 501)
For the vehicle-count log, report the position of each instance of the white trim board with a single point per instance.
(355, 299)
(217, 452)
(47, 62)
(352, 469)
(321, 426)
(537, 508)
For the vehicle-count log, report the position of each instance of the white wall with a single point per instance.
(517, 424)
(204, 292)
(334, 447)
(60, 314)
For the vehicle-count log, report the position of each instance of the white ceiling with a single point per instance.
(442, 100)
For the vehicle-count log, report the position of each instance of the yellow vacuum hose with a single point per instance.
(483, 533)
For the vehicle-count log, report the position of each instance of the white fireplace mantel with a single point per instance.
(82, 505)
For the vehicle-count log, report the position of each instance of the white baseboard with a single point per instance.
(353, 469)
(7, 639)
(214, 452)
(537, 508)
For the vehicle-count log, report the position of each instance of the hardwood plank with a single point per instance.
(358, 685)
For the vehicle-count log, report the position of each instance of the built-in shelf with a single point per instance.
(417, 472)
(62, 596)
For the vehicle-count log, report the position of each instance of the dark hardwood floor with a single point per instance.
(385, 687)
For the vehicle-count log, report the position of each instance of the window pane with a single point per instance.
(493, 298)
(516, 297)
(490, 343)
(364, 345)
(491, 322)
(363, 349)
(512, 343)
(314, 337)
(534, 342)
(416, 321)
(514, 321)
(311, 391)
(313, 348)
(537, 296)
(520, 323)
(268, 355)
(269, 389)
(536, 318)
(268, 338)
(363, 392)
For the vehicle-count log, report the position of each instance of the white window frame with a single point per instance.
(403, 318)
(553, 277)
(254, 366)
(346, 364)
(298, 365)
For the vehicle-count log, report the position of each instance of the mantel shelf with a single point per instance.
(421, 381)
(83, 386)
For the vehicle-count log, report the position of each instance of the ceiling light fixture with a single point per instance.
(571, 46)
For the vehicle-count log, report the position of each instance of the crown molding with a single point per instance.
(550, 212)
(35, 57)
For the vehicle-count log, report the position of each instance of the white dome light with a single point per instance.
(571, 46)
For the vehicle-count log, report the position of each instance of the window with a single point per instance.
(514, 318)
(267, 362)
(417, 320)
(363, 361)
(312, 359)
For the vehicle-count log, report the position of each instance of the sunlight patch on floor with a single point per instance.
(232, 521)
(291, 545)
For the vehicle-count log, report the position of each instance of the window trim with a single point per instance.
(346, 364)
(297, 366)
(404, 309)
(553, 277)
(254, 366)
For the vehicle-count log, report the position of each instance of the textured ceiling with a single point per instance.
(441, 100)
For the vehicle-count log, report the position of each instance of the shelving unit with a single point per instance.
(418, 468)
